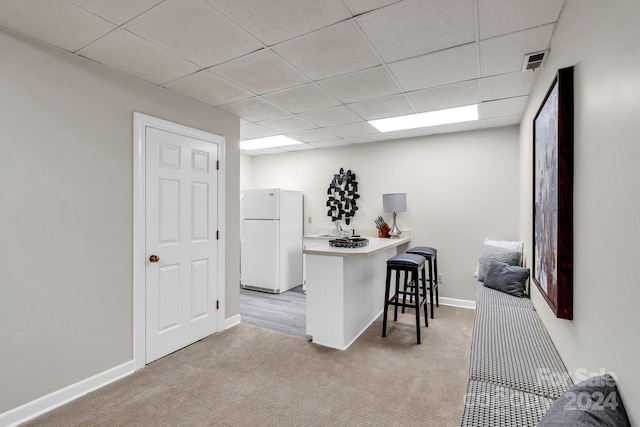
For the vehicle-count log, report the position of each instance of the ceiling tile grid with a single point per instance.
(117, 11)
(195, 31)
(276, 21)
(415, 27)
(302, 99)
(58, 23)
(522, 14)
(131, 54)
(313, 70)
(206, 87)
(380, 108)
(260, 72)
(360, 85)
(445, 67)
(329, 52)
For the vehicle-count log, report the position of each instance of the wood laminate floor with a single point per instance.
(285, 312)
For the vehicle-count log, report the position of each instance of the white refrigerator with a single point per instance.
(271, 242)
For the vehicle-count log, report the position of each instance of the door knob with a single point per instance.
(154, 258)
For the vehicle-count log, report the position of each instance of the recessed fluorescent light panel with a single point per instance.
(431, 118)
(268, 142)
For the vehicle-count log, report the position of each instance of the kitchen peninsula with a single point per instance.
(345, 288)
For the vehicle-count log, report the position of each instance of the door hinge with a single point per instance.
(217, 304)
(217, 164)
(217, 234)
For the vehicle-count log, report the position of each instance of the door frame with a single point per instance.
(140, 123)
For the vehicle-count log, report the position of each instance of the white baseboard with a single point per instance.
(462, 303)
(51, 401)
(232, 321)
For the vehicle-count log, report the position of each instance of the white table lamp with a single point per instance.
(394, 202)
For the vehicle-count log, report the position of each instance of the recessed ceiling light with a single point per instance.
(431, 118)
(268, 142)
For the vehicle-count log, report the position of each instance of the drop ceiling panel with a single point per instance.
(358, 7)
(272, 150)
(273, 22)
(253, 131)
(56, 22)
(366, 84)
(415, 27)
(409, 133)
(353, 129)
(302, 99)
(379, 108)
(117, 11)
(260, 72)
(334, 116)
(449, 96)
(521, 14)
(435, 69)
(332, 51)
(503, 107)
(457, 127)
(195, 31)
(133, 55)
(291, 65)
(297, 147)
(312, 135)
(501, 121)
(208, 88)
(254, 109)
(360, 139)
(328, 143)
(287, 124)
(507, 85)
(504, 54)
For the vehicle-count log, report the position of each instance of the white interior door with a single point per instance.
(181, 222)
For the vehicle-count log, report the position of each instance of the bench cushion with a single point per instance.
(487, 298)
(511, 347)
(490, 405)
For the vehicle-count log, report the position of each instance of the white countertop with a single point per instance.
(376, 245)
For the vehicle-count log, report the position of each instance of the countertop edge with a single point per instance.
(356, 252)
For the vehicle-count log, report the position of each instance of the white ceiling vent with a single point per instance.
(534, 60)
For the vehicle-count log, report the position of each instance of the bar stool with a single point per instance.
(408, 263)
(431, 256)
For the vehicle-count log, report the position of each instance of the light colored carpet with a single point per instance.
(248, 376)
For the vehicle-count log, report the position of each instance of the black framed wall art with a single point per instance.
(552, 269)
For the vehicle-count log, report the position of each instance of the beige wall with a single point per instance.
(66, 144)
(601, 40)
(461, 188)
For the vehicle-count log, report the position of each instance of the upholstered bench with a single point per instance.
(515, 372)
(516, 376)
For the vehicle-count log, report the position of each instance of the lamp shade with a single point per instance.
(394, 202)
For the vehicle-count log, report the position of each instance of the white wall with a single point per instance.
(66, 144)
(601, 40)
(246, 171)
(461, 188)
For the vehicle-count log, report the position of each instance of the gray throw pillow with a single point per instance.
(496, 253)
(506, 278)
(593, 402)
